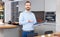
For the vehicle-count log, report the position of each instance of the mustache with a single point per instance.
(28, 7)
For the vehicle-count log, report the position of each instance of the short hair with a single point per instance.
(28, 2)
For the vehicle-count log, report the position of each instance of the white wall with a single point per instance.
(50, 5)
(36, 5)
(7, 11)
(58, 16)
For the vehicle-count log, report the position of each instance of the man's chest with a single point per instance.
(28, 16)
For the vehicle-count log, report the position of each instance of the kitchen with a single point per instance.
(44, 10)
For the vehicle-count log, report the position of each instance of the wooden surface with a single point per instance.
(57, 34)
(5, 26)
(44, 36)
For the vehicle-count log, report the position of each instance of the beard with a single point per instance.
(28, 9)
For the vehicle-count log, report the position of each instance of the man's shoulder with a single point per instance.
(32, 12)
(22, 12)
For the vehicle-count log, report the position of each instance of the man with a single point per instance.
(27, 20)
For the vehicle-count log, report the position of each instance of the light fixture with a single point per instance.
(42, 35)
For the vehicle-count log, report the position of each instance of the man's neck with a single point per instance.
(27, 10)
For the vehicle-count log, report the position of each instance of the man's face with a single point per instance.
(27, 6)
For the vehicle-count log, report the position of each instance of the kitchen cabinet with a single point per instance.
(10, 30)
(43, 27)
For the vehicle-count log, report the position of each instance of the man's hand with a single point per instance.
(30, 21)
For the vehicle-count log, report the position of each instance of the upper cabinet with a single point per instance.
(36, 5)
(50, 5)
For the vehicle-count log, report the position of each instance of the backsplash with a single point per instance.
(41, 16)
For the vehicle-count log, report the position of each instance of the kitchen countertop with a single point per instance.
(7, 26)
(51, 35)
(56, 34)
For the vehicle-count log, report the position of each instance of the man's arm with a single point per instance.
(34, 19)
(21, 19)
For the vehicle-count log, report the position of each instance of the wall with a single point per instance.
(58, 16)
(7, 11)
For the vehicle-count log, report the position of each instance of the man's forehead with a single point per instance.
(27, 4)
